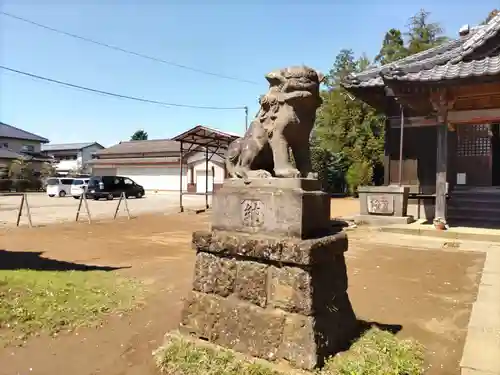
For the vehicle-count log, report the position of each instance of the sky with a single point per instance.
(244, 39)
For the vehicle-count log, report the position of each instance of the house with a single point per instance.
(71, 156)
(442, 129)
(16, 143)
(155, 164)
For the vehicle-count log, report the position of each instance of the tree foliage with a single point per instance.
(139, 135)
(20, 169)
(348, 139)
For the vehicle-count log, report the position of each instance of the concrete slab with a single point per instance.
(420, 228)
(382, 219)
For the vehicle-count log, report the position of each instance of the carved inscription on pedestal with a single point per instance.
(380, 204)
(252, 213)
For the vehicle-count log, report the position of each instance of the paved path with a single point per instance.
(481, 354)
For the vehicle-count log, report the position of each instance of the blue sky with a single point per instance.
(244, 39)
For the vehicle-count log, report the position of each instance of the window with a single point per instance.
(128, 181)
(28, 148)
(77, 182)
(66, 181)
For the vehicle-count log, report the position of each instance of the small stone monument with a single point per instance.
(270, 277)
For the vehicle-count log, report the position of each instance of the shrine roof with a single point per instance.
(451, 60)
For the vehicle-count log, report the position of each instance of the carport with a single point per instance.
(213, 141)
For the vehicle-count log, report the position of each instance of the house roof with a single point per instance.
(68, 146)
(127, 161)
(8, 154)
(450, 60)
(9, 131)
(142, 147)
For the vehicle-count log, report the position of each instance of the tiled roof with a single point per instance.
(142, 147)
(9, 131)
(8, 154)
(67, 146)
(126, 161)
(447, 61)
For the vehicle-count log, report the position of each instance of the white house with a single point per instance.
(71, 156)
(155, 164)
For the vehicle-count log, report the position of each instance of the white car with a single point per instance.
(78, 187)
(58, 187)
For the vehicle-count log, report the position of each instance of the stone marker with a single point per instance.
(270, 276)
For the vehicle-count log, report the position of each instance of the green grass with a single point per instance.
(33, 302)
(375, 353)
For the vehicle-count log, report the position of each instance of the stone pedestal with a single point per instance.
(270, 277)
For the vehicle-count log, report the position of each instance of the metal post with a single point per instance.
(28, 212)
(401, 137)
(206, 177)
(180, 177)
(20, 212)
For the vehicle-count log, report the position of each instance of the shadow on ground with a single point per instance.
(32, 260)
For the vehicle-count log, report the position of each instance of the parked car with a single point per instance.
(78, 187)
(110, 187)
(59, 187)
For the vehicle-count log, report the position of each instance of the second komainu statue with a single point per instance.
(285, 121)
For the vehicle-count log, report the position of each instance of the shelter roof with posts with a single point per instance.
(447, 100)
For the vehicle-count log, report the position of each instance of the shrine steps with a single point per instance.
(474, 207)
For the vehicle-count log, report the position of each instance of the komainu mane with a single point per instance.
(285, 120)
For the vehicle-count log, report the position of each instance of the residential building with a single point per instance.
(16, 143)
(69, 157)
(155, 164)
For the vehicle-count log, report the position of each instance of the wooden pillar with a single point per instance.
(441, 171)
(387, 152)
(442, 103)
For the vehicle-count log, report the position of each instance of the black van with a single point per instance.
(113, 186)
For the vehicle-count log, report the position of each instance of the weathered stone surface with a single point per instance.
(200, 313)
(275, 210)
(249, 329)
(214, 274)
(299, 345)
(291, 290)
(291, 250)
(251, 282)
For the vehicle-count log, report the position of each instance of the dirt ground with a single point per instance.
(428, 293)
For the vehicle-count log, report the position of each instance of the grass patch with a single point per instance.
(375, 353)
(33, 302)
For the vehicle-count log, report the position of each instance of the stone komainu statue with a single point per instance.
(285, 120)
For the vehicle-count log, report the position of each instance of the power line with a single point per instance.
(116, 95)
(116, 48)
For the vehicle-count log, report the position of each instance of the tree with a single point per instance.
(347, 130)
(393, 48)
(491, 15)
(20, 169)
(423, 34)
(47, 170)
(139, 135)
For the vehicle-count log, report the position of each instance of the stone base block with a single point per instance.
(383, 220)
(278, 206)
(270, 248)
(272, 334)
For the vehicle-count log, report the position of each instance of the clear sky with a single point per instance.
(245, 39)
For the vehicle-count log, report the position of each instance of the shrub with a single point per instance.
(358, 174)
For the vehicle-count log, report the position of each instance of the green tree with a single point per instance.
(491, 15)
(47, 170)
(393, 48)
(347, 130)
(139, 135)
(20, 169)
(423, 34)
